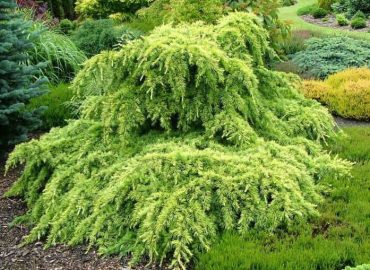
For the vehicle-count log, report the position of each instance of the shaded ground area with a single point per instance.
(343, 122)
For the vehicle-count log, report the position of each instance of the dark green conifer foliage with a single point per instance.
(17, 80)
(182, 134)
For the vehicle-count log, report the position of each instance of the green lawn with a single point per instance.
(290, 14)
(338, 238)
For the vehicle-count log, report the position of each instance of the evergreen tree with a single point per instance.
(17, 79)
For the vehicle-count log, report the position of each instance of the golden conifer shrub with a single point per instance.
(346, 93)
(182, 134)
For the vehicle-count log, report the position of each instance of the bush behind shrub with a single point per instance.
(94, 36)
(346, 93)
(306, 10)
(318, 13)
(342, 20)
(326, 56)
(58, 110)
(358, 23)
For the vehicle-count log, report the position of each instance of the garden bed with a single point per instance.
(332, 23)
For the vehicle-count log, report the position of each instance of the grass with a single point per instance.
(340, 237)
(290, 14)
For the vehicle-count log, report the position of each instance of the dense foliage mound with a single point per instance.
(17, 79)
(182, 134)
(323, 57)
(94, 36)
(346, 93)
(57, 101)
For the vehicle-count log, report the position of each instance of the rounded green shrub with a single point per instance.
(326, 4)
(342, 20)
(346, 93)
(103, 8)
(319, 13)
(306, 10)
(326, 56)
(182, 135)
(358, 23)
(66, 26)
(94, 36)
(57, 102)
(359, 14)
(287, 3)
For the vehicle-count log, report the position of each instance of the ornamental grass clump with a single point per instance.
(182, 134)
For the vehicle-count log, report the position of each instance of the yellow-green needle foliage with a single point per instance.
(182, 135)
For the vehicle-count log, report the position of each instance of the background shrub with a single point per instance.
(94, 36)
(57, 102)
(326, 4)
(319, 13)
(354, 6)
(66, 26)
(103, 8)
(317, 90)
(62, 56)
(287, 3)
(346, 93)
(326, 56)
(306, 10)
(165, 11)
(358, 23)
(342, 20)
(359, 14)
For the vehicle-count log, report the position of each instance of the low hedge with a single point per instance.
(346, 93)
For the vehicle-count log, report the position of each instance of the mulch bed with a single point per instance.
(332, 23)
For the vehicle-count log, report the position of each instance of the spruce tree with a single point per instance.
(17, 79)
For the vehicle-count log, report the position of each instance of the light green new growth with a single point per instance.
(183, 134)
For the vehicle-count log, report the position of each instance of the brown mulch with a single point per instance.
(331, 22)
(34, 256)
